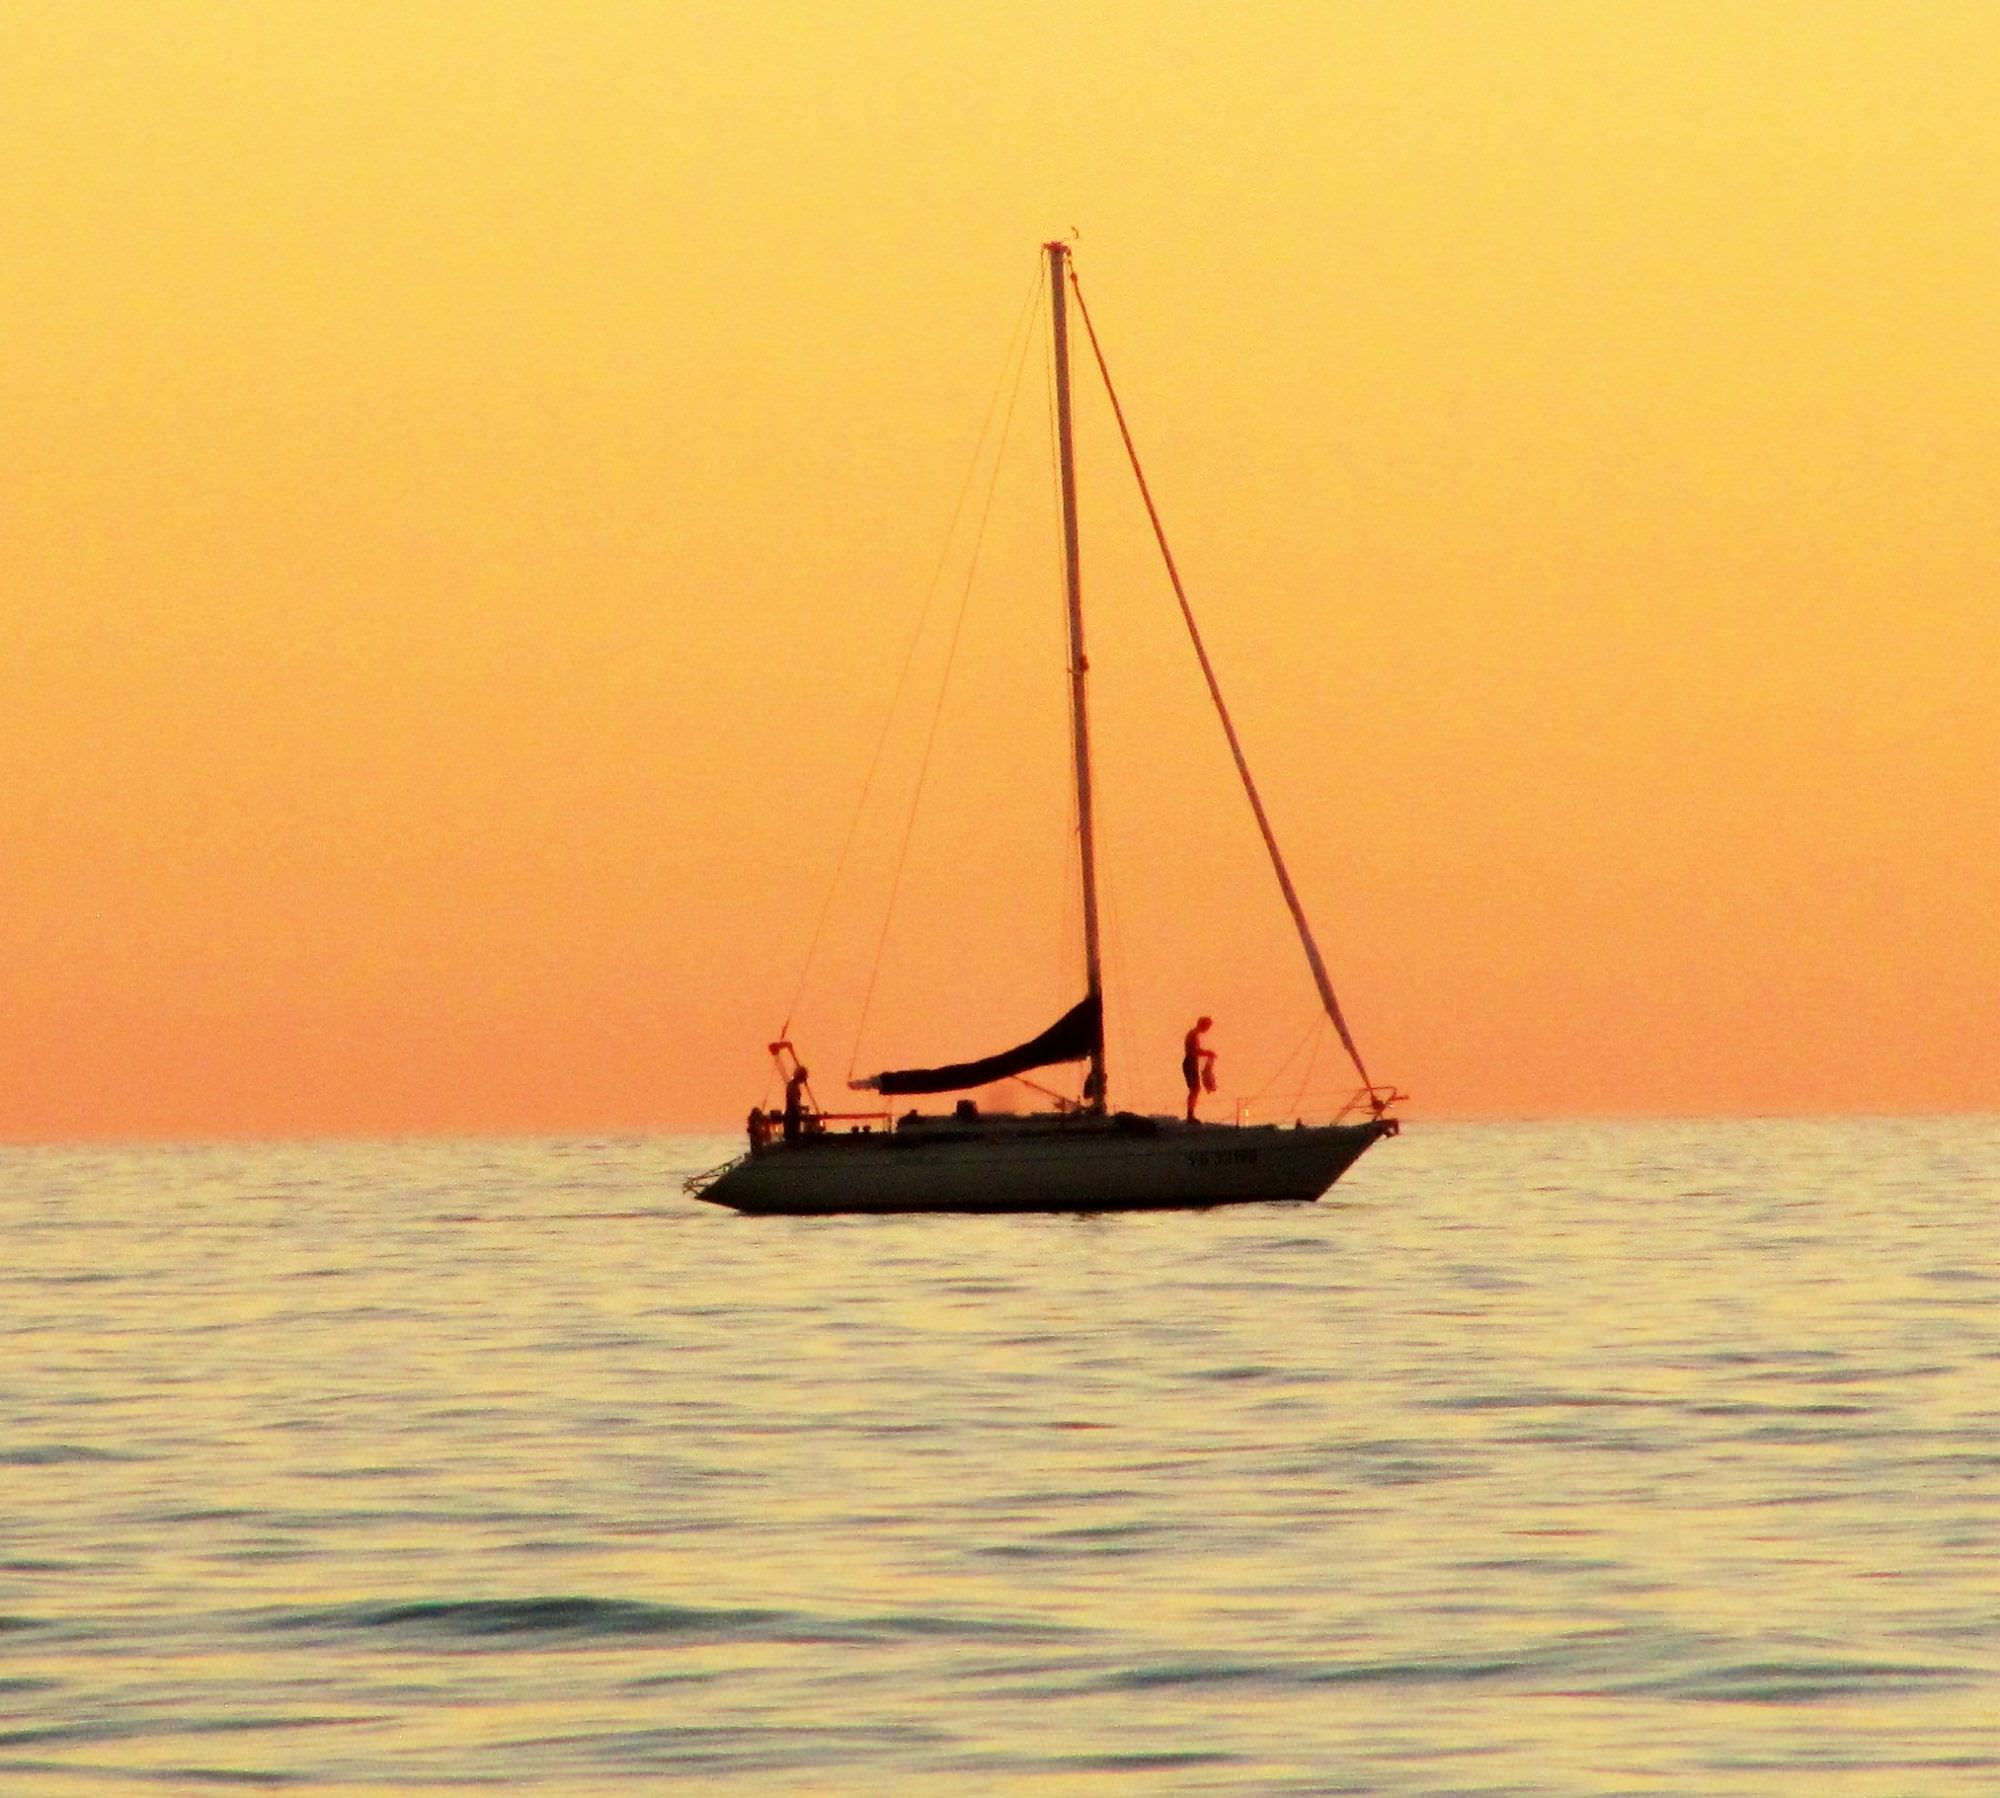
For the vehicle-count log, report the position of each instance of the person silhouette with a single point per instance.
(795, 1104)
(1197, 1064)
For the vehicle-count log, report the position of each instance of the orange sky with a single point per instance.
(471, 472)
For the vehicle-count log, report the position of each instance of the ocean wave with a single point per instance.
(624, 1619)
(1799, 1681)
(59, 1454)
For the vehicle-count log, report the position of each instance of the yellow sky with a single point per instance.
(471, 471)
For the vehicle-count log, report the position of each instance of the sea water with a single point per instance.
(1595, 1458)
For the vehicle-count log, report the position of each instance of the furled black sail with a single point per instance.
(1071, 1037)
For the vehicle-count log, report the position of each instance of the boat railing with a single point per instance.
(1376, 1101)
(1370, 1102)
(697, 1184)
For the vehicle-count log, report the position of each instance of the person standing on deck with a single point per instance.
(795, 1105)
(1197, 1064)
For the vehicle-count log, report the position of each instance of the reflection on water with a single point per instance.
(1635, 1458)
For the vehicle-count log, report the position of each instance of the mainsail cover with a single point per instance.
(1071, 1037)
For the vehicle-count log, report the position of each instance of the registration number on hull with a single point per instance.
(1221, 1157)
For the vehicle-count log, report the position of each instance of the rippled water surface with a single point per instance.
(1586, 1459)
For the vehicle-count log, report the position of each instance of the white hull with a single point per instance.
(1051, 1164)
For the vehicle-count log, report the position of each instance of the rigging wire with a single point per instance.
(1320, 976)
(1278, 1073)
(1016, 340)
(1115, 943)
(1297, 1105)
(937, 711)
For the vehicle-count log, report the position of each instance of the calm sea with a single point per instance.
(1656, 1458)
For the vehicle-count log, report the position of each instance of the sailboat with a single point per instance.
(1083, 1155)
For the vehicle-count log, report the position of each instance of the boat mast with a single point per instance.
(1095, 1092)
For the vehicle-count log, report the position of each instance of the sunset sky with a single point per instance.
(471, 475)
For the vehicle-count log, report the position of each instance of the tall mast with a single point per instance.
(1095, 1092)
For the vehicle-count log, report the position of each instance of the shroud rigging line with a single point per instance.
(944, 690)
(1318, 966)
(1016, 348)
